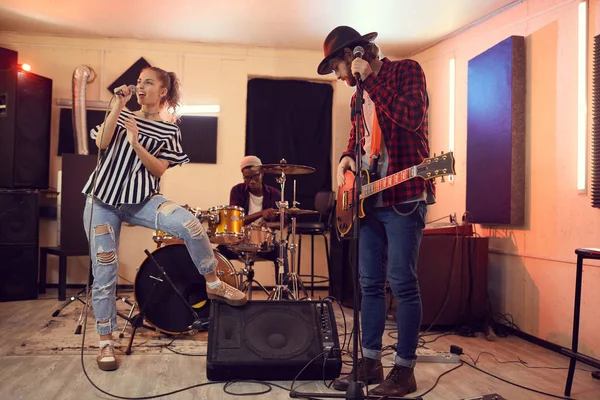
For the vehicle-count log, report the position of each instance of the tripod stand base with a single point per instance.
(354, 392)
(69, 301)
(281, 292)
(297, 285)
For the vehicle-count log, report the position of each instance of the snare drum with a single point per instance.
(256, 239)
(226, 224)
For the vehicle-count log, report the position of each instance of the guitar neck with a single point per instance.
(387, 182)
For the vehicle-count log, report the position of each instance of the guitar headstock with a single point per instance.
(442, 165)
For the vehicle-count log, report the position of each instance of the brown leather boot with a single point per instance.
(369, 371)
(399, 382)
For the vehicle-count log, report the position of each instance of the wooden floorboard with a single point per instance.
(61, 376)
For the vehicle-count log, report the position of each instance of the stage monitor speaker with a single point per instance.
(272, 340)
(24, 129)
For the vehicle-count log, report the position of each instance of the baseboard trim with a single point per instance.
(593, 362)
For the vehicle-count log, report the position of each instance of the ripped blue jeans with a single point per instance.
(157, 212)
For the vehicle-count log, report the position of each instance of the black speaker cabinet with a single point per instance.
(267, 340)
(18, 268)
(24, 129)
(19, 212)
(18, 244)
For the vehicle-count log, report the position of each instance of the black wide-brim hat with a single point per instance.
(339, 38)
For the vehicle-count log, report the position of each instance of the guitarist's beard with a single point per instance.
(350, 81)
(348, 78)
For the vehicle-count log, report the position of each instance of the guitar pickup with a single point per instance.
(347, 197)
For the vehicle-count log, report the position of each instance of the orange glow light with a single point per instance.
(26, 67)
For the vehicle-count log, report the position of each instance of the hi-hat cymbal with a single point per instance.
(298, 211)
(288, 169)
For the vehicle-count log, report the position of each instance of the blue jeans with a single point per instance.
(403, 231)
(157, 212)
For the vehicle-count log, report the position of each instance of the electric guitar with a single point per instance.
(430, 168)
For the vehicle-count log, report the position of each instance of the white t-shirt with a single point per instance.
(255, 205)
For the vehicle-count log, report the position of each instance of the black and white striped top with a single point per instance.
(122, 177)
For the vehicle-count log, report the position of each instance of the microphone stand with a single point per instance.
(354, 390)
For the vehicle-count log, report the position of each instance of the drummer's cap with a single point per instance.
(250, 161)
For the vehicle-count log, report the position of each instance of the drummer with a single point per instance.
(259, 203)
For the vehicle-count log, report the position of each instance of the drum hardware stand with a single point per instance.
(138, 320)
(281, 291)
(248, 272)
(78, 297)
(128, 318)
(293, 278)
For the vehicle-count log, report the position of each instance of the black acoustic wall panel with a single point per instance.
(76, 169)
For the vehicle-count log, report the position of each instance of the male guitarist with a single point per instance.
(394, 126)
(259, 203)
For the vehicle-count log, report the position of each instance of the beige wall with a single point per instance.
(532, 269)
(209, 75)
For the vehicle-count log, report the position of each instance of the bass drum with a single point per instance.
(162, 307)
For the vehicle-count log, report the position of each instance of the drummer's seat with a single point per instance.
(325, 205)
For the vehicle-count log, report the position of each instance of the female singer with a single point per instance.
(137, 148)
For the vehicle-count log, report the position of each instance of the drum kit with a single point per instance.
(161, 305)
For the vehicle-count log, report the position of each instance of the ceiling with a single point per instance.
(404, 26)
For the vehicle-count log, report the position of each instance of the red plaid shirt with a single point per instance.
(399, 93)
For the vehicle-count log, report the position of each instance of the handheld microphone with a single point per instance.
(132, 89)
(358, 52)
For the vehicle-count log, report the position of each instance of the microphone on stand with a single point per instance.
(132, 89)
(199, 325)
(358, 52)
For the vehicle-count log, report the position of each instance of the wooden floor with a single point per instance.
(62, 377)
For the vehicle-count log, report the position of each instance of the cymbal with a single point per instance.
(288, 169)
(298, 211)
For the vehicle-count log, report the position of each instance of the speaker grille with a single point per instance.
(277, 333)
(18, 217)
